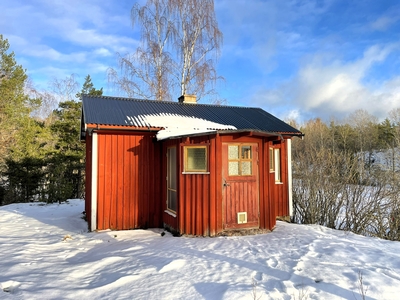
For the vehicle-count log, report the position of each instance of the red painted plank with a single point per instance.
(127, 188)
(212, 188)
(219, 187)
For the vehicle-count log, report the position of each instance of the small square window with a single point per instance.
(195, 159)
(246, 152)
(233, 168)
(246, 168)
(233, 152)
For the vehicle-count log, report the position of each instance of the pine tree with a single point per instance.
(23, 139)
(89, 89)
(43, 162)
(67, 164)
(14, 103)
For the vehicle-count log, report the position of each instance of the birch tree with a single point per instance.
(145, 72)
(179, 47)
(197, 41)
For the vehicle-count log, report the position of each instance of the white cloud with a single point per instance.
(327, 87)
(102, 52)
(53, 39)
(338, 88)
(383, 23)
(79, 23)
(73, 32)
(258, 34)
(293, 114)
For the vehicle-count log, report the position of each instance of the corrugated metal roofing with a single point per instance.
(122, 111)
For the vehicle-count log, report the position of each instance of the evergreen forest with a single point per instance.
(41, 156)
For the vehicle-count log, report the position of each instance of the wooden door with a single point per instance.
(240, 185)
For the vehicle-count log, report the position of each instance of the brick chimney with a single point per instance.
(188, 99)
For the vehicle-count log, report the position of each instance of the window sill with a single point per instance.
(194, 173)
(170, 213)
(278, 182)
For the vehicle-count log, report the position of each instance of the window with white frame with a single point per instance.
(275, 163)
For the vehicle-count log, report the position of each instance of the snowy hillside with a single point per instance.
(47, 253)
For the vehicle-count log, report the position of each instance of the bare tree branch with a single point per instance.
(180, 43)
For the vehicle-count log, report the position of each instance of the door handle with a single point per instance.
(226, 184)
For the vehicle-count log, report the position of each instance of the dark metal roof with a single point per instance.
(115, 111)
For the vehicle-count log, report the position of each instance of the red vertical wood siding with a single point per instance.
(213, 168)
(281, 190)
(131, 185)
(193, 212)
(200, 196)
(219, 185)
(129, 181)
(264, 184)
(278, 192)
(194, 194)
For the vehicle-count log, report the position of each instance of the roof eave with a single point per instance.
(248, 131)
(262, 133)
(121, 127)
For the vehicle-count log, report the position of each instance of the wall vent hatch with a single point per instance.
(242, 217)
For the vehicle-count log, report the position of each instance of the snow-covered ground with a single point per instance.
(47, 253)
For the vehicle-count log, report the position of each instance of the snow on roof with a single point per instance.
(176, 125)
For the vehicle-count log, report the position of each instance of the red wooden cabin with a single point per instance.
(195, 169)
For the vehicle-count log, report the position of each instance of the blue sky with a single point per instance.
(295, 59)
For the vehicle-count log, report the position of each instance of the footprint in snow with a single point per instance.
(272, 262)
(258, 276)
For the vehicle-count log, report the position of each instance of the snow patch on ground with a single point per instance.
(9, 286)
(292, 262)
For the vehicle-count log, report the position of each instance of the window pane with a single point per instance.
(246, 152)
(172, 200)
(246, 167)
(233, 152)
(277, 154)
(233, 168)
(196, 159)
(271, 160)
(172, 168)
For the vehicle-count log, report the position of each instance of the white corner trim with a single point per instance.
(93, 223)
(290, 183)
